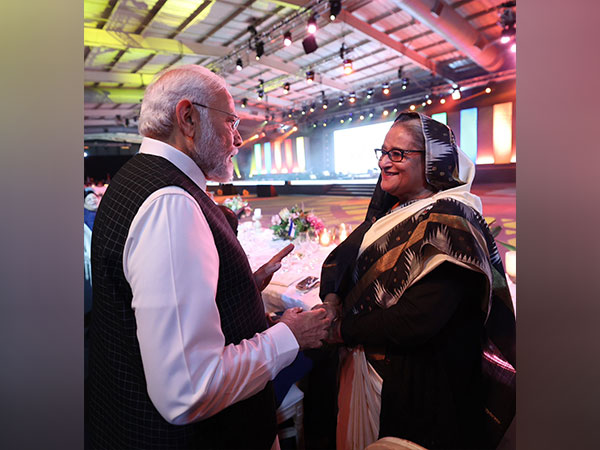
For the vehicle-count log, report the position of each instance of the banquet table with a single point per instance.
(306, 259)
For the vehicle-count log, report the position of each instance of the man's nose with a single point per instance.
(237, 138)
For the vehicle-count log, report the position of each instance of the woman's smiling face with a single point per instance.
(406, 179)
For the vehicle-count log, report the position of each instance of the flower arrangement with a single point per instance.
(289, 223)
(238, 206)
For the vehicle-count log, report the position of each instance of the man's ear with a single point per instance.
(184, 114)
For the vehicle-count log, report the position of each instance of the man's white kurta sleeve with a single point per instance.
(172, 265)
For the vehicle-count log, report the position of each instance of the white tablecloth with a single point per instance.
(306, 259)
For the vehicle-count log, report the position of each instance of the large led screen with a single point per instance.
(353, 148)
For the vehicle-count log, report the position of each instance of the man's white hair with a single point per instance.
(191, 82)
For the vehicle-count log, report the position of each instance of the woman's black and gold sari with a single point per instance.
(426, 304)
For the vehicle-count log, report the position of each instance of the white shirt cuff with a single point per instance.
(286, 344)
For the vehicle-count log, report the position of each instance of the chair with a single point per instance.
(394, 443)
(291, 407)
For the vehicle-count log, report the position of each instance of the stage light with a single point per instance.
(325, 104)
(238, 64)
(507, 21)
(369, 92)
(85, 154)
(312, 107)
(442, 100)
(310, 77)
(405, 82)
(488, 90)
(335, 6)
(260, 94)
(341, 120)
(260, 49)
(352, 97)
(385, 89)
(412, 107)
(311, 26)
(287, 38)
(396, 109)
(341, 100)
(456, 94)
(347, 66)
(294, 129)
(370, 114)
(385, 113)
(428, 99)
(362, 117)
(244, 102)
(324, 124)
(304, 111)
(290, 113)
(314, 124)
(423, 104)
(286, 87)
(350, 118)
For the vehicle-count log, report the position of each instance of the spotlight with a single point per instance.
(341, 100)
(385, 89)
(85, 154)
(396, 109)
(507, 22)
(314, 124)
(423, 104)
(442, 101)
(341, 120)
(385, 113)
(350, 118)
(312, 107)
(324, 124)
(428, 99)
(405, 82)
(311, 26)
(310, 77)
(290, 113)
(260, 94)
(371, 114)
(412, 107)
(286, 87)
(456, 94)
(325, 104)
(304, 111)
(287, 38)
(352, 97)
(347, 66)
(238, 64)
(244, 102)
(488, 90)
(260, 49)
(362, 117)
(335, 7)
(369, 92)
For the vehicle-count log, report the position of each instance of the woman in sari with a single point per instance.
(420, 301)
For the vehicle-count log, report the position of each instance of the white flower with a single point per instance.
(275, 220)
(284, 214)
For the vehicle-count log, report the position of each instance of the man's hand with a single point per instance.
(264, 274)
(309, 327)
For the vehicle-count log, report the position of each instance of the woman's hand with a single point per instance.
(333, 305)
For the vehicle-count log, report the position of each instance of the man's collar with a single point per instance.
(182, 161)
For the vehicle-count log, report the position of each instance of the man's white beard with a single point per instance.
(208, 157)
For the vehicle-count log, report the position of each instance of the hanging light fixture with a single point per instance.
(286, 88)
(244, 102)
(369, 92)
(352, 97)
(311, 26)
(341, 100)
(456, 93)
(310, 77)
(442, 100)
(287, 38)
(347, 66)
(239, 65)
(385, 89)
(260, 94)
(325, 104)
(312, 107)
(260, 49)
(405, 82)
(335, 7)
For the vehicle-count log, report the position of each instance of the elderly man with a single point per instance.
(181, 354)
